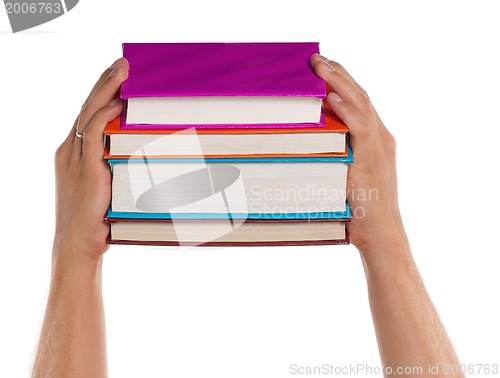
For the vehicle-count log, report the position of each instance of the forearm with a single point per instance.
(73, 342)
(409, 331)
(73, 338)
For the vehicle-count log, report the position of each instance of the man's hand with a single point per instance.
(371, 183)
(409, 332)
(73, 338)
(83, 177)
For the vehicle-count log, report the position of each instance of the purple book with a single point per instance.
(221, 85)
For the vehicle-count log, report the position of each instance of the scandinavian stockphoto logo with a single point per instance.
(187, 188)
(26, 14)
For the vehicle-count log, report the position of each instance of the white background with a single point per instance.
(432, 71)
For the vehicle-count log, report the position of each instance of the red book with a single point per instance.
(222, 232)
(328, 141)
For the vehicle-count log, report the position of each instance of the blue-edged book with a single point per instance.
(228, 232)
(231, 201)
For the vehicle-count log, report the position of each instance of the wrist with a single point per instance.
(74, 246)
(389, 258)
(71, 259)
(383, 235)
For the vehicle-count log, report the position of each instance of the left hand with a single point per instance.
(83, 177)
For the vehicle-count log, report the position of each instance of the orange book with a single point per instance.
(328, 141)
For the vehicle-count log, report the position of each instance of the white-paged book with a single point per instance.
(242, 185)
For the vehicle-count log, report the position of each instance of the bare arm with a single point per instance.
(409, 331)
(72, 342)
(73, 338)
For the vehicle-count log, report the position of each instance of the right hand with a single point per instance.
(371, 181)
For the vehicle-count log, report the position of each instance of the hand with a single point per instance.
(402, 311)
(371, 182)
(83, 178)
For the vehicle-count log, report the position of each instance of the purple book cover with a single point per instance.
(220, 69)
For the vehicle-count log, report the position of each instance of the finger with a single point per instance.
(76, 144)
(384, 133)
(361, 130)
(104, 94)
(71, 135)
(343, 87)
(363, 92)
(93, 137)
(340, 69)
(101, 80)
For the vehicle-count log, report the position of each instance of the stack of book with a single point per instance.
(226, 144)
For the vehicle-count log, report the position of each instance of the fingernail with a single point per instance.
(114, 72)
(322, 58)
(115, 102)
(335, 97)
(327, 66)
(115, 64)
